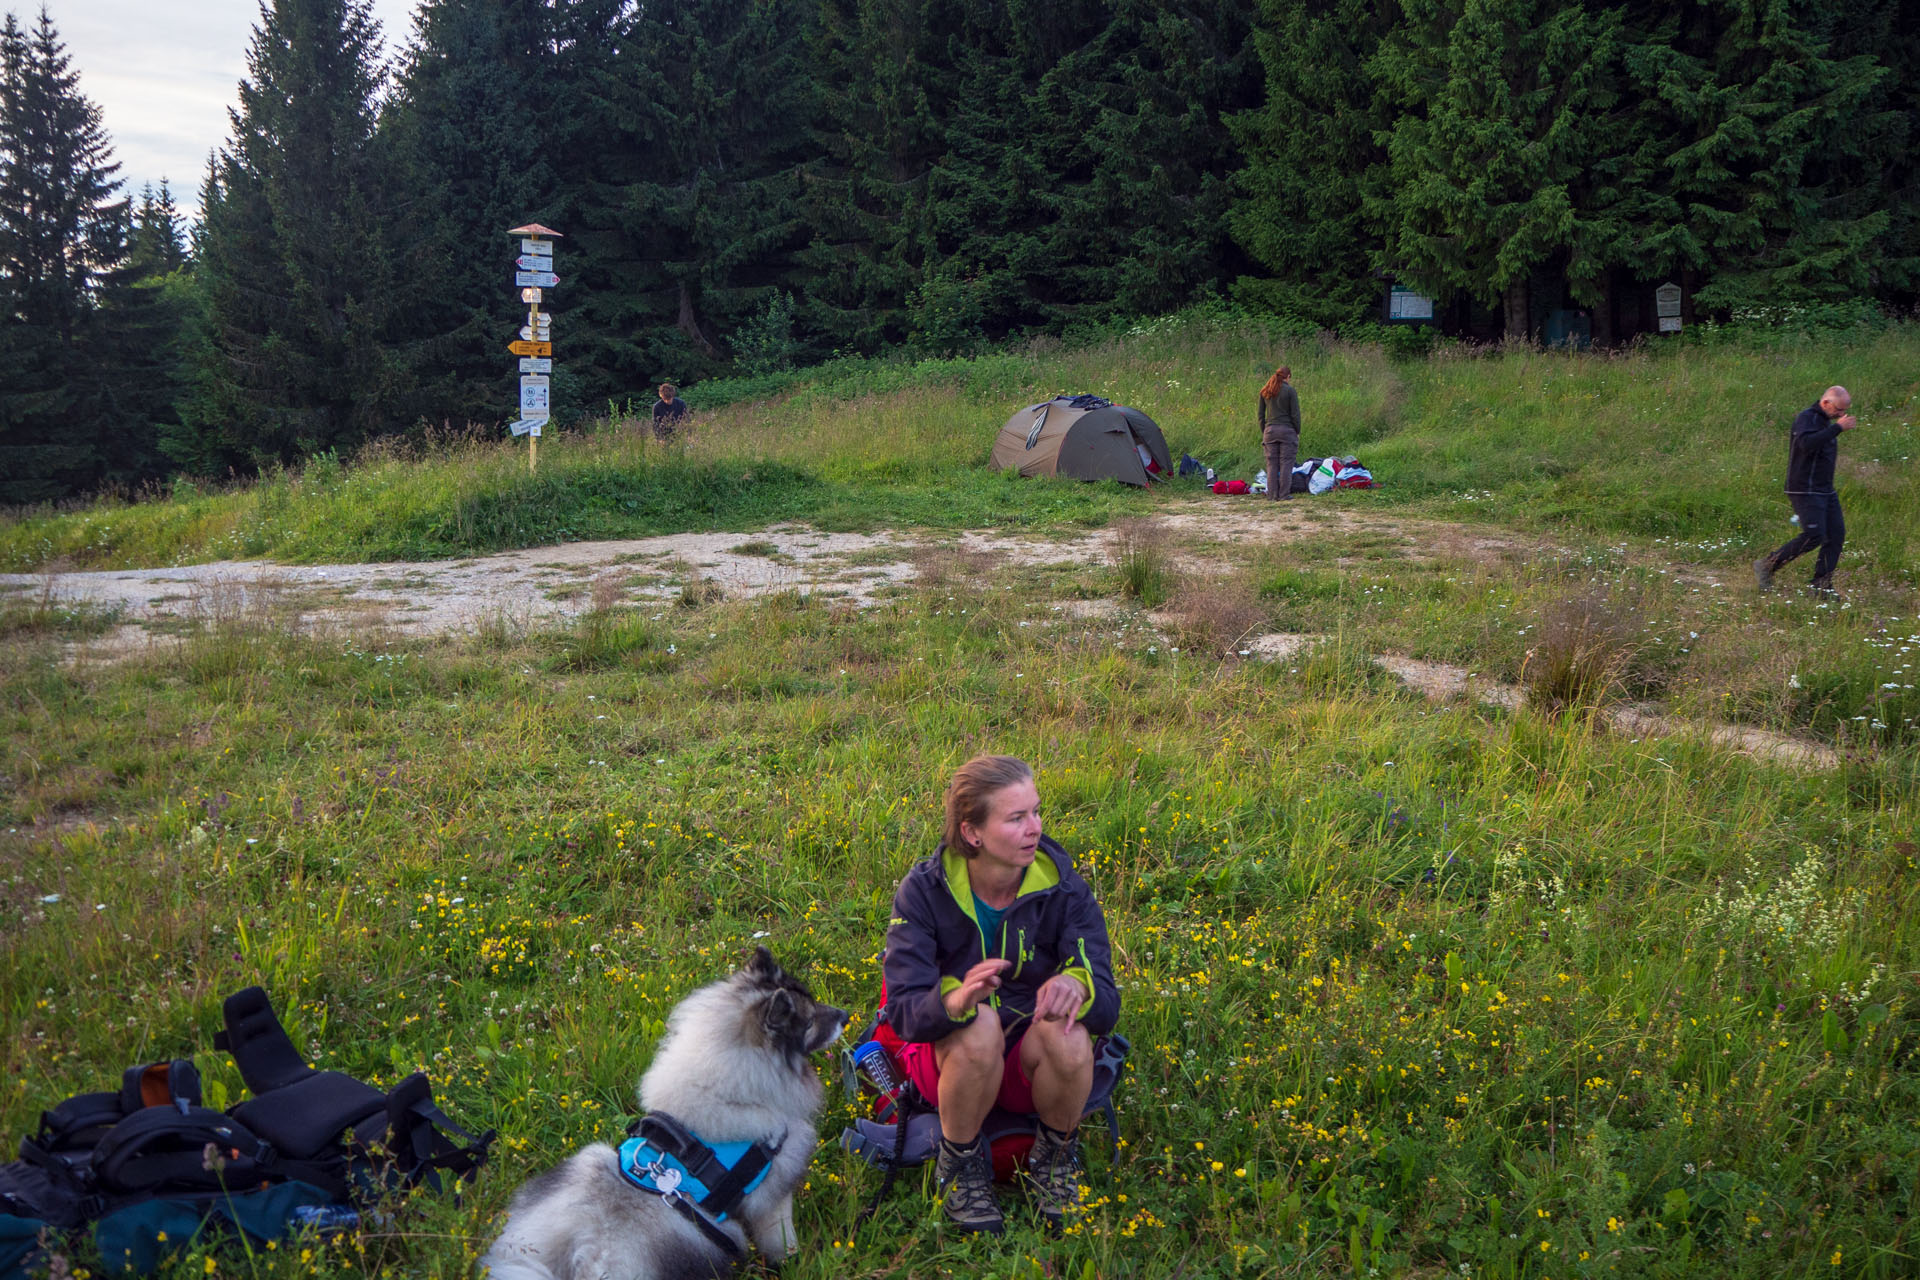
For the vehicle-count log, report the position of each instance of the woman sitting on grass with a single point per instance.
(998, 977)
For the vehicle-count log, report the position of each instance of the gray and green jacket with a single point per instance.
(1054, 926)
(1280, 415)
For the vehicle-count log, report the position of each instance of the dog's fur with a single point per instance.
(733, 1068)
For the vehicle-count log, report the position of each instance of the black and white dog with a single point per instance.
(732, 1068)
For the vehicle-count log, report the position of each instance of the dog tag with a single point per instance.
(666, 1181)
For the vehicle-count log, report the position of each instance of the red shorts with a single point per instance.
(1016, 1091)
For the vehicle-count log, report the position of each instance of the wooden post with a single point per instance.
(534, 273)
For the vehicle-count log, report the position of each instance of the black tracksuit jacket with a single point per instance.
(1812, 452)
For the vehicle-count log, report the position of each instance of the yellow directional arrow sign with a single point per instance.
(531, 348)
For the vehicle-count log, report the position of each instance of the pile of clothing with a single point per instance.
(1333, 473)
(1314, 475)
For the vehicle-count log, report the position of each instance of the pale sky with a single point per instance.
(163, 73)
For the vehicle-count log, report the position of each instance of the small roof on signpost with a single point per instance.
(535, 229)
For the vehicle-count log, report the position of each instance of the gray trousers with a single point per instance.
(1280, 460)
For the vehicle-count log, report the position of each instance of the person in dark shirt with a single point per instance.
(669, 413)
(1279, 417)
(1811, 453)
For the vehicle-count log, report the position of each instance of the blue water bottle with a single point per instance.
(873, 1061)
(327, 1219)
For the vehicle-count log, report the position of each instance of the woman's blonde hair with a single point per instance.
(1272, 388)
(974, 784)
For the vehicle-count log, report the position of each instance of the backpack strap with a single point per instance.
(318, 1116)
(260, 1046)
(907, 1104)
(417, 1132)
(73, 1124)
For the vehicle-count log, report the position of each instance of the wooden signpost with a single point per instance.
(533, 273)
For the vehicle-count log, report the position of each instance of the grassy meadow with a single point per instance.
(1413, 989)
(1683, 443)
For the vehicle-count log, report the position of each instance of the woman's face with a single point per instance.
(1011, 833)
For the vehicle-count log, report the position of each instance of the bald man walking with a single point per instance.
(1813, 449)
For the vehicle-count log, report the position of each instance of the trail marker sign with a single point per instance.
(534, 389)
(534, 273)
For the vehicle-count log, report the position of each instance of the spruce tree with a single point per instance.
(304, 344)
(689, 222)
(1756, 154)
(1496, 109)
(62, 237)
(483, 132)
(879, 129)
(131, 371)
(159, 240)
(1311, 157)
(1083, 169)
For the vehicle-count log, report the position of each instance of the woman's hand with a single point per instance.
(1059, 997)
(981, 979)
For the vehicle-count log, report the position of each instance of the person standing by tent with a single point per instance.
(1812, 450)
(1280, 431)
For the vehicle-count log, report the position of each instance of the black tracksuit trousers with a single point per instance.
(1822, 526)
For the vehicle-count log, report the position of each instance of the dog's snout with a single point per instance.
(829, 1024)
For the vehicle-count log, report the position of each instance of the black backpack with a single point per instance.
(53, 1180)
(371, 1140)
(347, 1143)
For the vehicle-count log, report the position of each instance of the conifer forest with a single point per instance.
(748, 186)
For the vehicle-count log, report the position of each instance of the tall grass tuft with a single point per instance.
(1138, 550)
(1586, 648)
(608, 634)
(1217, 615)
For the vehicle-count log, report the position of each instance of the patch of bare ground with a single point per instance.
(459, 595)
(1277, 646)
(493, 597)
(1441, 682)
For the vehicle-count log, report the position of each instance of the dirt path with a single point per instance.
(545, 584)
(553, 584)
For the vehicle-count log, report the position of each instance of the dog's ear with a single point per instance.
(779, 1016)
(764, 967)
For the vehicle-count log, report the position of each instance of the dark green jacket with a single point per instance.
(1280, 414)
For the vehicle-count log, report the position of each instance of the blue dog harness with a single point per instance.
(703, 1182)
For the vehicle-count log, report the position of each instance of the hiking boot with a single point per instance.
(1053, 1175)
(965, 1175)
(1763, 573)
(1822, 587)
